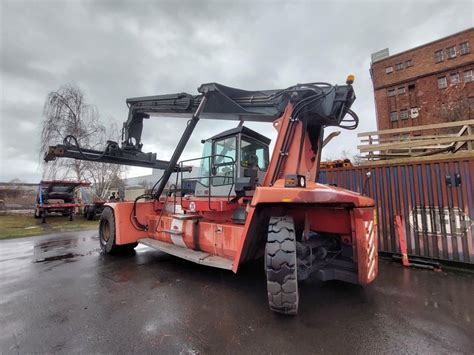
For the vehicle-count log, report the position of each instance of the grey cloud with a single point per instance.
(119, 49)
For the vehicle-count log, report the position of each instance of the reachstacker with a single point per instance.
(244, 204)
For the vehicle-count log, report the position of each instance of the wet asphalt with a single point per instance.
(59, 294)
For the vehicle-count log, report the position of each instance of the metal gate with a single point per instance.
(435, 198)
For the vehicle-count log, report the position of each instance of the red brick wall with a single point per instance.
(434, 105)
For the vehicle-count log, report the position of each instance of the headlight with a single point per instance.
(295, 181)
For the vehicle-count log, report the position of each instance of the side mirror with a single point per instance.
(214, 170)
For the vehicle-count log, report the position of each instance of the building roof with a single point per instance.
(422, 45)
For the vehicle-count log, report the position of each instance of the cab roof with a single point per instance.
(244, 130)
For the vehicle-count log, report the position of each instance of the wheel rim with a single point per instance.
(105, 231)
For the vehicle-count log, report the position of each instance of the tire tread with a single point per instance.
(280, 266)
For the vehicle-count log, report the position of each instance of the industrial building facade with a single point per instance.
(432, 83)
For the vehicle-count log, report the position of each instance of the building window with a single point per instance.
(439, 56)
(411, 87)
(468, 76)
(402, 90)
(392, 92)
(451, 52)
(393, 116)
(442, 83)
(388, 70)
(454, 79)
(398, 66)
(464, 48)
(404, 114)
(409, 63)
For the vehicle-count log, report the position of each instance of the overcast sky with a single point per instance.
(119, 49)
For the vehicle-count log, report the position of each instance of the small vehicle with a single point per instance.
(57, 196)
(244, 203)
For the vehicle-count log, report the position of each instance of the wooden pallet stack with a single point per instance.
(417, 143)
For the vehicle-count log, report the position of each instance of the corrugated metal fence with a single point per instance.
(435, 198)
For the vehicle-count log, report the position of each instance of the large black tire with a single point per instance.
(281, 266)
(107, 234)
(84, 212)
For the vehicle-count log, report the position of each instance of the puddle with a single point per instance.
(58, 257)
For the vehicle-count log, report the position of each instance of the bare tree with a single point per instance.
(66, 113)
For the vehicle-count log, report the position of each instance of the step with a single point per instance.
(195, 256)
(185, 216)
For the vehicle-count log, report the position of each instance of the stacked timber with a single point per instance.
(417, 143)
(332, 164)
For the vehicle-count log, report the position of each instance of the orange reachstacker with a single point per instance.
(239, 204)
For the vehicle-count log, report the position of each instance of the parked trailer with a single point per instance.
(57, 196)
(435, 198)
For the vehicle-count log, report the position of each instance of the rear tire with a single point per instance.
(107, 234)
(281, 266)
(107, 231)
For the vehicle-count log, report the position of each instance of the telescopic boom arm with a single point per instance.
(317, 104)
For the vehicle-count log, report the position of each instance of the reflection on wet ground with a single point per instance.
(60, 294)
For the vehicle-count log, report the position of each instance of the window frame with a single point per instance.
(399, 66)
(391, 92)
(402, 90)
(461, 48)
(439, 58)
(450, 55)
(392, 115)
(409, 63)
(451, 79)
(389, 70)
(471, 77)
(445, 82)
(404, 115)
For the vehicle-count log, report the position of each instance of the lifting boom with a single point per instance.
(319, 104)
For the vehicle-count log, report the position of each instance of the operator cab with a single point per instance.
(233, 163)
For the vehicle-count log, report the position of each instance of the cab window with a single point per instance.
(254, 153)
(204, 170)
(225, 153)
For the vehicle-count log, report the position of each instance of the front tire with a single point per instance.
(281, 266)
(107, 234)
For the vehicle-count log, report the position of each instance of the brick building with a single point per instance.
(432, 83)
